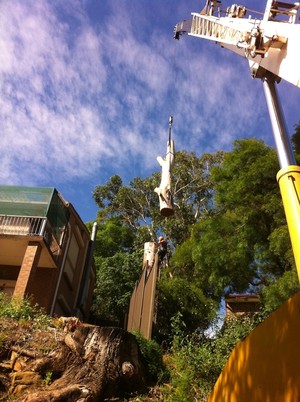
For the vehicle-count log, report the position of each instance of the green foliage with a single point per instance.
(229, 233)
(133, 204)
(45, 349)
(136, 205)
(280, 247)
(182, 263)
(181, 296)
(118, 267)
(47, 378)
(112, 237)
(296, 141)
(279, 291)
(153, 358)
(243, 242)
(192, 192)
(238, 181)
(246, 188)
(23, 309)
(197, 361)
(116, 277)
(222, 254)
(104, 195)
(129, 216)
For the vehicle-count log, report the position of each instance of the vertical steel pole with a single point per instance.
(283, 145)
(289, 175)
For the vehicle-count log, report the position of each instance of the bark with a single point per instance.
(164, 189)
(90, 364)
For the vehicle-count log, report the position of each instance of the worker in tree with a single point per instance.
(162, 249)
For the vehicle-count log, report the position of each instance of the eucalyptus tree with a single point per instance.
(129, 216)
(229, 231)
(136, 205)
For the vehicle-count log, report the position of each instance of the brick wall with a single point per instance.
(28, 269)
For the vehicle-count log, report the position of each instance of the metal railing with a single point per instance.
(11, 225)
(22, 225)
(212, 28)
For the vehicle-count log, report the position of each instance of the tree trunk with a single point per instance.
(164, 189)
(90, 364)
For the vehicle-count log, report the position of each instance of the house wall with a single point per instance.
(28, 267)
(239, 305)
(73, 267)
(41, 288)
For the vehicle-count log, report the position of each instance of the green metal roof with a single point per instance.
(25, 201)
(35, 201)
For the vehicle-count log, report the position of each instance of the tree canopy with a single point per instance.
(296, 141)
(244, 244)
(129, 216)
(136, 204)
(228, 234)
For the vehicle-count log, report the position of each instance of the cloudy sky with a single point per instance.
(87, 87)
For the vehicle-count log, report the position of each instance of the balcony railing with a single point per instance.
(22, 225)
(29, 226)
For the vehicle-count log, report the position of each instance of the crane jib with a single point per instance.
(270, 44)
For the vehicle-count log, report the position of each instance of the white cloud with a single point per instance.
(79, 94)
(47, 85)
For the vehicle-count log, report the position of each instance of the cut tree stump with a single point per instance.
(90, 364)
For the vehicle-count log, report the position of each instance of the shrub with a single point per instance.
(153, 358)
(22, 309)
(196, 361)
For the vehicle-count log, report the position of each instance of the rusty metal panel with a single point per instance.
(131, 324)
(149, 301)
(142, 302)
(135, 309)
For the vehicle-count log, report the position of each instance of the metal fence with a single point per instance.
(22, 225)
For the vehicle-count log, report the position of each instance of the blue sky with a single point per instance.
(87, 87)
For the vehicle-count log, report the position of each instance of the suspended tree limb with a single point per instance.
(164, 190)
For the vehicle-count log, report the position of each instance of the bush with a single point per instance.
(153, 358)
(196, 361)
(279, 291)
(22, 309)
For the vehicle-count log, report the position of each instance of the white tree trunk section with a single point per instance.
(164, 190)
